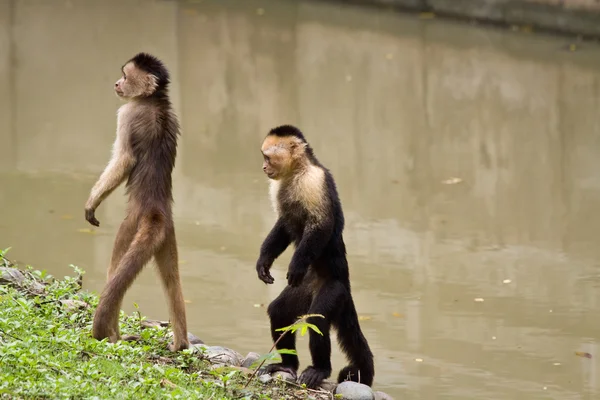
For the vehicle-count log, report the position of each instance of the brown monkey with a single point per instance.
(143, 153)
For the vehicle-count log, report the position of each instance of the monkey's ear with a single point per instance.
(151, 84)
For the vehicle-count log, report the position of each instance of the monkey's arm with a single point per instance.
(275, 243)
(113, 175)
(314, 240)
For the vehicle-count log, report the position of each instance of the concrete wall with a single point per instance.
(581, 17)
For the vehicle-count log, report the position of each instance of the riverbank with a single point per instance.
(577, 17)
(47, 352)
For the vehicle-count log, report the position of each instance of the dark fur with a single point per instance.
(148, 231)
(152, 65)
(320, 267)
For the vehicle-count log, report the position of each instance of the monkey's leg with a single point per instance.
(284, 311)
(123, 240)
(168, 267)
(147, 240)
(326, 303)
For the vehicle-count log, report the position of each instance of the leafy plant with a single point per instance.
(273, 355)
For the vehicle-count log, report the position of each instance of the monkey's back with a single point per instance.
(154, 145)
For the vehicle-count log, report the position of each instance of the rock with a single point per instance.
(223, 355)
(383, 396)
(284, 376)
(194, 339)
(328, 385)
(11, 276)
(217, 366)
(354, 391)
(266, 378)
(250, 359)
(73, 305)
(151, 323)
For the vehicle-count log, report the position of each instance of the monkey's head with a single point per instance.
(284, 151)
(143, 76)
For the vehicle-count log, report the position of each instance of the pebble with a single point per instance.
(284, 376)
(383, 396)
(12, 276)
(193, 339)
(222, 355)
(328, 385)
(250, 359)
(266, 378)
(354, 391)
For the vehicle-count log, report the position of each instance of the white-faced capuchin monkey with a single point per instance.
(309, 212)
(143, 154)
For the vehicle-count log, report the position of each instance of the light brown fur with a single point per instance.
(293, 173)
(143, 153)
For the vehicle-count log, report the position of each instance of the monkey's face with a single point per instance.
(280, 156)
(135, 83)
(276, 165)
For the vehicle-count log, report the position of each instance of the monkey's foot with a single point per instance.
(272, 368)
(131, 338)
(313, 377)
(181, 346)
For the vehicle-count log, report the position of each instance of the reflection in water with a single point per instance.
(394, 106)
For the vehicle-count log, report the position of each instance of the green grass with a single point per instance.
(47, 352)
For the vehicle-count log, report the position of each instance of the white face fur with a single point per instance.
(135, 83)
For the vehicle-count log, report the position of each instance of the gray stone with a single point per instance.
(250, 359)
(194, 339)
(354, 391)
(266, 378)
(14, 277)
(284, 376)
(222, 355)
(328, 385)
(11, 276)
(383, 396)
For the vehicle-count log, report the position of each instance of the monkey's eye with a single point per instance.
(266, 158)
(124, 77)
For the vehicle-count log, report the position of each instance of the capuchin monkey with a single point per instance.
(309, 211)
(143, 154)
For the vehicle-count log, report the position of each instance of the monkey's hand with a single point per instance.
(90, 217)
(262, 268)
(295, 276)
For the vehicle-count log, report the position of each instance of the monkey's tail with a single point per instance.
(354, 344)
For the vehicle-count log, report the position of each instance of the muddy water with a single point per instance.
(467, 159)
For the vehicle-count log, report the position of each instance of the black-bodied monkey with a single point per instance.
(143, 154)
(305, 198)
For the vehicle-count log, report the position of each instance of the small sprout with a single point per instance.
(478, 299)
